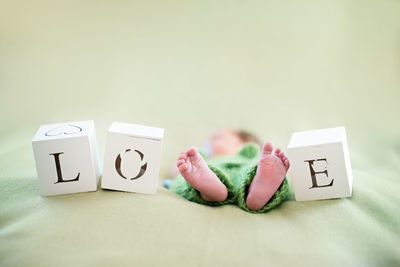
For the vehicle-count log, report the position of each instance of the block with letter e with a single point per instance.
(132, 158)
(320, 164)
(66, 158)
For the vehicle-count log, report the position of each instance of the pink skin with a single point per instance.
(270, 173)
(196, 172)
(225, 142)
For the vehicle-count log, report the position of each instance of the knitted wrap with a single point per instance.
(236, 173)
(242, 190)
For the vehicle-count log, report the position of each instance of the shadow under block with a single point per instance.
(320, 164)
(132, 158)
(66, 158)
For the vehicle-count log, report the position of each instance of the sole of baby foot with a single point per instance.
(196, 172)
(271, 171)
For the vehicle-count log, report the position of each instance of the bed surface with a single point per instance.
(272, 67)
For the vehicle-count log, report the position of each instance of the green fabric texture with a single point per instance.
(236, 173)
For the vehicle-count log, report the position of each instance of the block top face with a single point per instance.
(136, 130)
(318, 137)
(63, 130)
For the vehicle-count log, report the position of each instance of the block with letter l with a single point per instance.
(66, 158)
(132, 158)
(320, 164)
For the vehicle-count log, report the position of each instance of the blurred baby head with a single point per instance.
(228, 142)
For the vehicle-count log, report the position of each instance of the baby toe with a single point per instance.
(267, 148)
(183, 167)
(287, 163)
(180, 162)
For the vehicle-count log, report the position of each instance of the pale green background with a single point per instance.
(273, 67)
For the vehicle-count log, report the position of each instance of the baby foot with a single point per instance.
(271, 171)
(196, 172)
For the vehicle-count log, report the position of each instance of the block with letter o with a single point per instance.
(132, 158)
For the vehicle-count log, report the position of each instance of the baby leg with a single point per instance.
(271, 171)
(197, 173)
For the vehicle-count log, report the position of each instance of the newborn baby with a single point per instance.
(231, 169)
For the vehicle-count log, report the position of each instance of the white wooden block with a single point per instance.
(132, 158)
(320, 164)
(66, 158)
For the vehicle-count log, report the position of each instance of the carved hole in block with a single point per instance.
(131, 165)
(64, 129)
